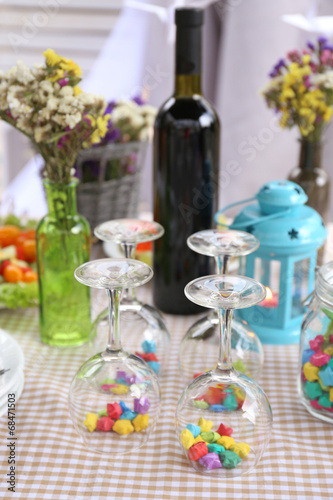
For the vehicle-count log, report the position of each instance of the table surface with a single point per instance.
(53, 464)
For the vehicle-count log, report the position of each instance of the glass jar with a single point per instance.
(63, 244)
(315, 380)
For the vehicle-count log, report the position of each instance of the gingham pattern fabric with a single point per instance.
(52, 463)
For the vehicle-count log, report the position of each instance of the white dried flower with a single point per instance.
(86, 99)
(129, 105)
(24, 75)
(11, 74)
(66, 91)
(148, 110)
(40, 133)
(59, 119)
(47, 86)
(72, 120)
(136, 121)
(3, 102)
(23, 123)
(143, 135)
(45, 114)
(52, 103)
(274, 84)
(119, 113)
(323, 80)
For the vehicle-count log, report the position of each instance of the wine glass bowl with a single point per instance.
(114, 398)
(143, 328)
(223, 418)
(233, 401)
(199, 347)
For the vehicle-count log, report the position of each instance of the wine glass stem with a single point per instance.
(222, 263)
(128, 249)
(225, 359)
(114, 343)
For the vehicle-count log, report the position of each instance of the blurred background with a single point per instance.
(125, 48)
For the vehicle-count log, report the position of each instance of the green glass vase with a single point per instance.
(63, 244)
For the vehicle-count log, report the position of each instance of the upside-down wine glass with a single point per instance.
(114, 398)
(223, 417)
(143, 328)
(199, 347)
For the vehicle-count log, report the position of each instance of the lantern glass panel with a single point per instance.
(300, 286)
(267, 272)
(237, 266)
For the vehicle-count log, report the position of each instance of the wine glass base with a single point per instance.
(200, 346)
(114, 403)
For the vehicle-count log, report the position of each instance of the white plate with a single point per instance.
(16, 389)
(11, 357)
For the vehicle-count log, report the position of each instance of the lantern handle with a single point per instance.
(253, 222)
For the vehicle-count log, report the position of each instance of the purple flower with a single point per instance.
(112, 135)
(280, 64)
(310, 45)
(322, 40)
(275, 71)
(110, 107)
(87, 119)
(63, 82)
(328, 47)
(62, 141)
(307, 81)
(138, 99)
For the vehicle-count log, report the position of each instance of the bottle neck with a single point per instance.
(188, 61)
(310, 155)
(187, 85)
(61, 198)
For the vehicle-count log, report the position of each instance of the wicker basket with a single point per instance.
(103, 199)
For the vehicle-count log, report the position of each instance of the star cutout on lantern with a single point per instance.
(293, 234)
(250, 229)
(265, 188)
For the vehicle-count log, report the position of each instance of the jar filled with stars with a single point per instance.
(315, 375)
(290, 234)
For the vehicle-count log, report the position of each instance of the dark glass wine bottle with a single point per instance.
(312, 177)
(186, 169)
(315, 181)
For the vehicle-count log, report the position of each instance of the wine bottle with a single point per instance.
(315, 181)
(310, 175)
(186, 168)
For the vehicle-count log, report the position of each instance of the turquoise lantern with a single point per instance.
(290, 234)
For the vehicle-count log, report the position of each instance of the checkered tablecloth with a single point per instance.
(53, 464)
